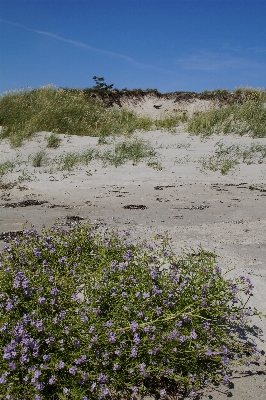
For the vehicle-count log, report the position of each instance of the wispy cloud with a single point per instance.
(84, 45)
(215, 61)
(244, 50)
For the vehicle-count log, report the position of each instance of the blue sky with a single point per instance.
(170, 45)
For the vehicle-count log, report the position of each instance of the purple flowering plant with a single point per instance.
(75, 325)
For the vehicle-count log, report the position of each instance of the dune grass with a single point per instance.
(74, 112)
(87, 315)
(25, 112)
(225, 158)
(134, 150)
(169, 123)
(247, 117)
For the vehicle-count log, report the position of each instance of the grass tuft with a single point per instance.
(38, 159)
(53, 141)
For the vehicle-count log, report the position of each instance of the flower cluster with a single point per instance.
(86, 315)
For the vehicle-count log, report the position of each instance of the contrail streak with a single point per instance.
(83, 45)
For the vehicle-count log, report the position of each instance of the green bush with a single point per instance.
(87, 315)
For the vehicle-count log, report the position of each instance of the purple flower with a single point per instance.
(55, 292)
(134, 352)
(146, 295)
(112, 338)
(24, 359)
(73, 370)
(65, 390)
(41, 300)
(206, 325)
(38, 324)
(136, 338)
(94, 339)
(9, 305)
(225, 360)
(182, 339)
(61, 365)
(37, 374)
(102, 378)
(147, 328)
(208, 352)
(52, 380)
(225, 350)
(62, 260)
(93, 386)
(159, 311)
(122, 266)
(104, 392)
(108, 324)
(46, 357)
(193, 335)
(37, 252)
(226, 378)
(127, 255)
(162, 393)
(142, 367)
(133, 326)
(116, 367)
(12, 366)
(3, 378)
(81, 359)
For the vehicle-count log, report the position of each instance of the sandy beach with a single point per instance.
(196, 207)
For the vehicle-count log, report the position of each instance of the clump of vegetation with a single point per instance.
(225, 158)
(38, 159)
(6, 167)
(87, 315)
(70, 160)
(53, 141)
(134, 150)
(246, 117)
(23, 113)
(169, 123)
